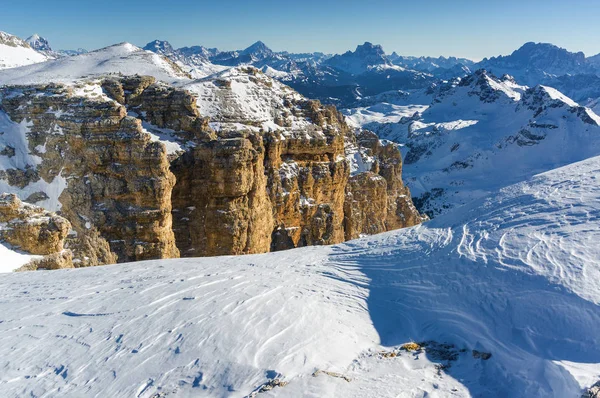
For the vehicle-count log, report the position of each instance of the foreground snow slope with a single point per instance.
(515, 274)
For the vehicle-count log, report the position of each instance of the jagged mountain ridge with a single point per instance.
(339, 79)
(481, 126)
(542, 63)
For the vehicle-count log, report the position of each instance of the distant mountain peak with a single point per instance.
(258, 48)
(533, 63)
(159, 46)
(369, 48)
(532, 48)
(365, 57)
(39, 43)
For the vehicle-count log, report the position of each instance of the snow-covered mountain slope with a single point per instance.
(514, 275)
(480, 127)
(123, 58)
(245, 98)
(15, 52)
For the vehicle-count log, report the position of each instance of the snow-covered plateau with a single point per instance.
(514, 275)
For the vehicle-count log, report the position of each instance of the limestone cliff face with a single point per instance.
(233, 164)
(377, 200)
(33, 230)
(99, 168)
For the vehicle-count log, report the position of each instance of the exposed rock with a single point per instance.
(331, 374)
(30, 228)
(268, 386)
(365, 208)
(37, 197)
(143, 175)
(115, 177)
(481, 355)
(63, 259)
(592, 392)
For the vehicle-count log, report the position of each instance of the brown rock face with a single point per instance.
(30, 228)
(63, 259)
(34, 230)
(117, 184)
(220, 204)
(366, 205)
(143, 175)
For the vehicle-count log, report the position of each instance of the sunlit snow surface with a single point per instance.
(14, 52)
(515, 274)
(119, 59)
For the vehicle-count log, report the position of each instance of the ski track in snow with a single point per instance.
(514, 274)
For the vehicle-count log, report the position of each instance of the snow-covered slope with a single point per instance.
(514, 275)
(123, 58)
(245, 98)
(479, 134)
(15, 52)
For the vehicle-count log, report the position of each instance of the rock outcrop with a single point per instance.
(33, 230)
(99, 167)
(231, 165)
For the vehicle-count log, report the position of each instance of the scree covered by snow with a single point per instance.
(515, 275)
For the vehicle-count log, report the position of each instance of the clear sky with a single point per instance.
(466, 28)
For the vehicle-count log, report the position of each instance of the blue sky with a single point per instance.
(467, 28)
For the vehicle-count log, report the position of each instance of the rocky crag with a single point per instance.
(33, 230)
(233, 164)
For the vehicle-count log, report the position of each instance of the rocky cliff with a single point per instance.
(233, 164)
(33, 230)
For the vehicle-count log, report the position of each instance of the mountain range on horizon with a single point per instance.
(530, 64)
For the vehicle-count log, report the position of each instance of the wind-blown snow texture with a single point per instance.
(514, 274)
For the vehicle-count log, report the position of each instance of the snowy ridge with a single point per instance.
(514, 274)
(123, 58)
(15, 52)
(243, 97)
